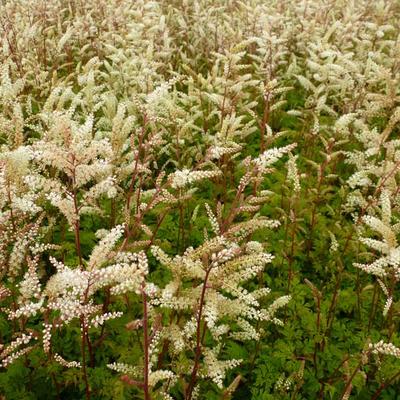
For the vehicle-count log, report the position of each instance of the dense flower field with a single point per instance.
(199, 199)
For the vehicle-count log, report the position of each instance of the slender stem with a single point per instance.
(146, 346)
(390, 324)
(160, 219)
(384, 385)
(76, 223)
(181, 237)
(233, 210)
(317, 344)
(317, 200)
(78, 242)
(113, 213)
(103, 333)
(11, 208)
(332, 306)
(56, 385)
(199, 339)
(331, 378)
(373, 307)
(358, 291)
(265, 120)
(348, 383)
(83, 349)
(292, 249)
(135, 173)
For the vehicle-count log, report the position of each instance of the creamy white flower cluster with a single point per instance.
(69, 290)
(161, 375)
(284, 384)
(384, 348)
(70, 148)
(124, 368)
(10, 353)
(271, 156)
(4, 292)
(65, 363)
(216, 369)
(389, 248)
(102, 251)
(14, 168)
(225, 299)
(185, 177)
(217, 152)
(28, 309)
(374, 199)
(293, 174)
(99, 320)
(25, 239)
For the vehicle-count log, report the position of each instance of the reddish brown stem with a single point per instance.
(383, 386)
(84, 368)
(199, 339)
(146, 346)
